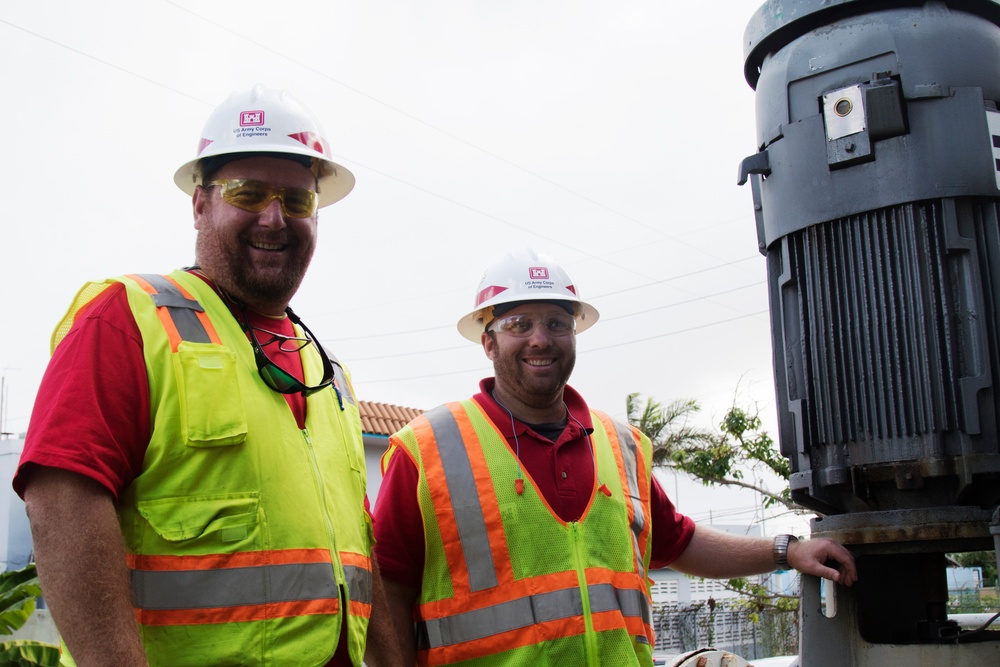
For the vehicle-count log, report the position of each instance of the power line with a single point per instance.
(461, 140)
(683, 303)
(408, 115)
(677, 277)
(595, 298)
(105, 62)
(472, 208)
(480, 369)
(675, 333)
(431, 126)
(460, 347)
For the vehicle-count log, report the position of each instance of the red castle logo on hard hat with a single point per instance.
(538, 273)
(251, 118)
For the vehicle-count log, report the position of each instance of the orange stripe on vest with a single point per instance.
(237, 614)
(223, 561)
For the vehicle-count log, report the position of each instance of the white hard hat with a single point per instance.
(263, 120)
(523, 275)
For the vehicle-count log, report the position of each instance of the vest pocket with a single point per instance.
(222, 520)
(211, 404)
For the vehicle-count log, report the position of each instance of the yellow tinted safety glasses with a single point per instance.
(255, 196)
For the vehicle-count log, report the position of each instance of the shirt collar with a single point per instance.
(502, 419)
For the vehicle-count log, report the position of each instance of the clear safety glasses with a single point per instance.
(522, 326)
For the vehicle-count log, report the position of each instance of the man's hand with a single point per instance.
(811, 556)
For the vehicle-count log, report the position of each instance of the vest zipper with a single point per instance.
(338, 568)
(589, 637)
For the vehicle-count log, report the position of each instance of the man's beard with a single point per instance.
(231, 271)
(535, 392)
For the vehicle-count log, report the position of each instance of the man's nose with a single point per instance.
(540, 336)
(272, 216)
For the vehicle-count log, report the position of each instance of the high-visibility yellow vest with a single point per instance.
(505, 580)
(247, 538)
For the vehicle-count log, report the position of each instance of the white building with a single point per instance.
(672, 586)
(15, 534)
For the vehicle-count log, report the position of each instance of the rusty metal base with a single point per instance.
(897, 613)
(938, 530)
(836, 642)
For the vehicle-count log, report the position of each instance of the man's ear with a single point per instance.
(489, 345)
(198, 202)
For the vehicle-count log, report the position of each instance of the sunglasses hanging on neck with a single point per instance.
(275, 376)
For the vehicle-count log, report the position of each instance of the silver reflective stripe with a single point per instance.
(464, 499)
(231, 587)
(602, 598)
(627, 446)
(634, 603)
(181, 309)
(500, 618)
(359, 583)
(521, 613)
(605, 597)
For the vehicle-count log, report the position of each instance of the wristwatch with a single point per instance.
(780, 551)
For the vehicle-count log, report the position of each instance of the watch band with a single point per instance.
(780, 551)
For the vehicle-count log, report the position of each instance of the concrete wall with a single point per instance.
(375, 446)
(39, 628)
(15, 533)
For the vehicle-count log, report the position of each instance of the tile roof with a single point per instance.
(383, 418)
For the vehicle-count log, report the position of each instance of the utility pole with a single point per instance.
(3, 405)
(4, 433)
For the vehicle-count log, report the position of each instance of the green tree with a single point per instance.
(19, 591)
(722, 457)
(713, 457)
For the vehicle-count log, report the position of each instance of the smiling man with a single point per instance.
(194, 470)
(518, 527)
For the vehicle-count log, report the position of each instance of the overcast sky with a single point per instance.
(605, 134)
